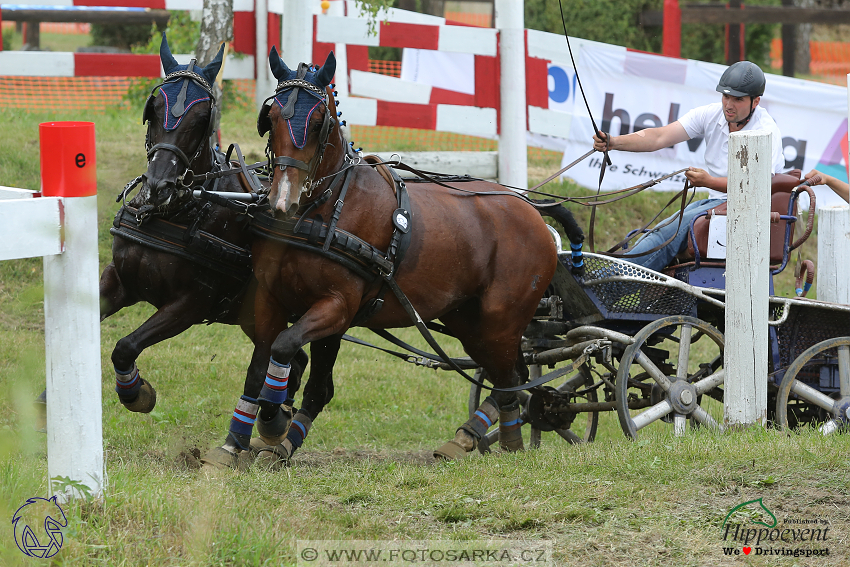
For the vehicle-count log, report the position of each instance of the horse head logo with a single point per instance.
(39, 513)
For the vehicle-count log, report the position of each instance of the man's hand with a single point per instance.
(699, 177)
(825, 179)
(602, 144)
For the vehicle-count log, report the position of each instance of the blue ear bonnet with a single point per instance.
(171, 91)
(183, 87)
(305, 103)
(299, 93)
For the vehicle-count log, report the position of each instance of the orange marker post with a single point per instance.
(72, 311)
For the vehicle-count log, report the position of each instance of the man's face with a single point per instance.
(737, 108)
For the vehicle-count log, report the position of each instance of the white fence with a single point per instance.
(63, 229)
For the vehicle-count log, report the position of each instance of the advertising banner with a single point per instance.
(628, 91)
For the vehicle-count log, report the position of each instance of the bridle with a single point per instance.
(295, 86)
(178, 109)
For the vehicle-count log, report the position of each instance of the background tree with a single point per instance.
(216, 28)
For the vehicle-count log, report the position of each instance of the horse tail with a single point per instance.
(574, 233)
(564, 217)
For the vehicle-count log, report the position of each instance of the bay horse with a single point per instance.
(479, 259)
(189, 259)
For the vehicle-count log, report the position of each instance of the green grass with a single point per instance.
(365, 471)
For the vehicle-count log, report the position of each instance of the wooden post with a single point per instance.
(789, 44)
(833, 279)
(747, 278)
(513, 146)
(296, 38)
(734, 37)
(72, 313)
(672, 29)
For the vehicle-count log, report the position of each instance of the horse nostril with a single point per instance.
(290, 212)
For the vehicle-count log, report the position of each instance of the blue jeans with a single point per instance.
(659, 259)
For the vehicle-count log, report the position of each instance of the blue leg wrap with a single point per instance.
(275, 386)
(298, 430)
(128, 383)
(244, 416)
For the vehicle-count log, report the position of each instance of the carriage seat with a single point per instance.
(781, 187)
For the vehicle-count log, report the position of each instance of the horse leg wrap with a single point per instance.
(510, 432)
(470, 433)
(482, 420)
(134, 392)
(275, 387)
(242, 422)
(274, 421)
(298, 431)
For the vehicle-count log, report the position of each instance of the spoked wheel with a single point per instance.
(799, 403)
(664, 362)
(557, 409)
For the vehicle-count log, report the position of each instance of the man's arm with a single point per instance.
(647, 140)
(841, 189)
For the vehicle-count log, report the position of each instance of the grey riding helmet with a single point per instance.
(742, 79)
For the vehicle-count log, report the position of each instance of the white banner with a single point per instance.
(629, 90)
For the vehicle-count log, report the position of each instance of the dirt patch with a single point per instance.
(320, 458)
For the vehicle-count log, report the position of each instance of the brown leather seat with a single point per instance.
(781, 187)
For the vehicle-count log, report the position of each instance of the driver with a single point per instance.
(741, 87)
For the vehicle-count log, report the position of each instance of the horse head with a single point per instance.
(180, 123)
(303, 140)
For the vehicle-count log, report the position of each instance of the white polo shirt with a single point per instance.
(708, 122)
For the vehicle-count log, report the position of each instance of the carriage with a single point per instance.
(649, 346)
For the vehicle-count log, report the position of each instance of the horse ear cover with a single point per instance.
(279, 69)
(326, 73)
(210, 72)
(169, 64)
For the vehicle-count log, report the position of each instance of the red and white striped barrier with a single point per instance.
(61, 226)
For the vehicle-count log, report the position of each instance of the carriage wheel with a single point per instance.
(798, 402)
(583, 426)
(664, 361)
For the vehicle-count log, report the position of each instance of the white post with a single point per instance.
(265, 84)
(833, 279)
(341, 54)
(72, 340)
(747, 279)
(513, 149)
(296, 37)
(72, 313)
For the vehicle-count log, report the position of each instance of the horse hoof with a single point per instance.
(271, 457)
(219, 458)
(145, 401)
(451, 451)
(273, 431)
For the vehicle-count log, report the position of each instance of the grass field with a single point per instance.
(365, 472)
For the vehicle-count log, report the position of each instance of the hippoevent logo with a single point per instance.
(752, 528)
(38, 527)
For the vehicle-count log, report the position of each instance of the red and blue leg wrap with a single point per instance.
(298, 430)
(244, 416)
(275, 387)
(128, 383)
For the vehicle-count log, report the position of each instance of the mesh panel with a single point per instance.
(806, 327)
(648, 295)
(66, 93)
